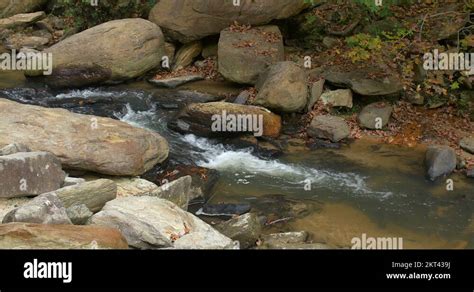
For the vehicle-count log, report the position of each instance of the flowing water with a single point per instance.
(365, 187)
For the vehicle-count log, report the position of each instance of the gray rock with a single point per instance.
(13, 7)
(79, 214)
(21, 19)
(190, 20)
(44, 209)
(242, 97)
(19, 40)
(245, 228)
(72, 181)
(186, 55)
(470, 173)
(14, 148)
(467, 144)
(127, 187)
(93, 194)
(375, 116)
(29, 173)
(300, 246)
(276, 240)
(209, 50)
(439, 161)
(283, 88)
(150, 223)
(341, 97)
(177, 191)
(330, 42)
(176, 81)
(329, 127)
(316, 91)
(243, 63)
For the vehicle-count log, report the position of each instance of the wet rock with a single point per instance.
(140, 43)
(329, 127)
(323, 144)
(467, 144)
(177, 191)
(283, 88)
(198, 119)
(316, 90)
(279, 240)
(176, 81)
(359, 83)
(281, 209)
(20, 19)
(14, 148)
(73, 76)
(375, 116)
(150, 223)
(82, 142)
(222, 210)
(93, 194)
(439, 161)
(246, 229)
(243, 64)
(29, 173)
(47, 236)
(79, 214)
(341, 97)
(186, 55)
(190, 20)
(44, 209)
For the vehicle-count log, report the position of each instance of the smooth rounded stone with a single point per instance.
(197, 118)
(329, 127)
(186, 55)
(277, 240)
(176, 81)
(359, 83)
(246, 229)
(340, 97)
(94, 194)
(283, 88)
(29, 174)
(20, 19)
(44, 209)
(151, 223)
(79, 214)
(122, 49)
(47, 236)
(82, 142)
(219, 210)
(190, 20)
(439, 161)
(72, 181)
(133, 186)
(316, 90)
(14, 148)
(466, 144)
(177, 191)
(375, 116)
(241, 63)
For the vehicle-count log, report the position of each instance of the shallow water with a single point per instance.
(364, 187)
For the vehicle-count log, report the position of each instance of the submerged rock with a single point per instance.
(82, 142)
(46, 236)
(219, 210)
(439, 161)
(150, 223)
(190, 20)
(29, 173)
(243, 63)
(246, 229)
(44, 209)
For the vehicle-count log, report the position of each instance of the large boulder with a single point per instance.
(329, 127)
(29, 173)
(12, 7)
(150, 223)
(439, 161)
(283, 88)
(190, 20)
(197, 118)
(82, 142)
(114, 51)
(44, 209)
(245, 54)
(47, 236)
